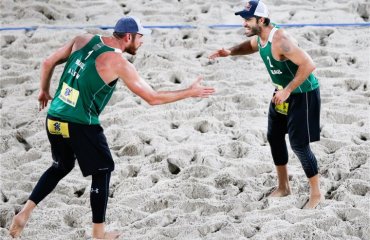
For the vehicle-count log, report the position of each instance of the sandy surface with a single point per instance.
(199, 168)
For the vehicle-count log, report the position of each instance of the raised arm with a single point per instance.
(287, 48)
(247, 47)
(137, 85)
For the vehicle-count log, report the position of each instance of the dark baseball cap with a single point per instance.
(130, 24)
(254, 8)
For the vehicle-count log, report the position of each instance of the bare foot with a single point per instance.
(18, 223)
(108, 236)
(280, 192)
(314, 201)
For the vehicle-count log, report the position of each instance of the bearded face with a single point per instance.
(131, 48)
(251, 27)
(135, 44)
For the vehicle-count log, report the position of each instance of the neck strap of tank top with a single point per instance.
(271, 35)
(117, 50)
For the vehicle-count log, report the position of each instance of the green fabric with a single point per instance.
(82, 95)
(283, 72)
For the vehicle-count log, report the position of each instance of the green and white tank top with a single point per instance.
(283, 72)
(82, 95)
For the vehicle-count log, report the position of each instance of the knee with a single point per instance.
(279, 150)
(275, 138)
(61, 170)
(300, 150)
(272, 140)
(307, 159)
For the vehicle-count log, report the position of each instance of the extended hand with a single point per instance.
(199, 90)
(220, 53)
(280, 96)
(43, 98)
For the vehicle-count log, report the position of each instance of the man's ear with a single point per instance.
(127, 37)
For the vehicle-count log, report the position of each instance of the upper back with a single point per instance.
(81, 41)
(91, 49)
(82, 93)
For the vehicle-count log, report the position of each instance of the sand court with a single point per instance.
(198, 168)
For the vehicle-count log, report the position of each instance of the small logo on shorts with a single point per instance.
(57, 126)
(94, 190)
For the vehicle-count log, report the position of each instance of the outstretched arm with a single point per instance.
(137, 85)
(287, 48)
(247, 47)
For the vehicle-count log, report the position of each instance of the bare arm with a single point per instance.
(47, 69)
(287, 48)
(137, 85)
(247, 47)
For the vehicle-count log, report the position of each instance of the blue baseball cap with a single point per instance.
(130, 24)
(254, 8)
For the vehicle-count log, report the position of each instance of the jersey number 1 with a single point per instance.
(268, 58)
(88, 55)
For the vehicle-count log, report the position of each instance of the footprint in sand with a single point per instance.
(196, 190)
(234, 149)
(319, 36)
(341, 117)
(358, 187)
(198, 171)
(6, 216)
(203, 126)
(155, 205)
(73, 216)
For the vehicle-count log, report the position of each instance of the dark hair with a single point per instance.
(120, 35)
(266, 21)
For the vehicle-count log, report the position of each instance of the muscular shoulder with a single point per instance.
(112, 65)
(120, 63)
(283, 36)
(84, 37)
(283, 41)
(280, 35)
(115, 61)
(81, 40)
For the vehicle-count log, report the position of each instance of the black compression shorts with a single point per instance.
(87, 143)
(302, 122)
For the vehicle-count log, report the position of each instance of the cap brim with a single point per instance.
(144, 31)
(244, 14)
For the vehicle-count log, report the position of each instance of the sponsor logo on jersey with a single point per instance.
(277, 71)
(69, 95)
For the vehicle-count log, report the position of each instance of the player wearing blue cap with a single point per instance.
(93, 66)
(295, 105)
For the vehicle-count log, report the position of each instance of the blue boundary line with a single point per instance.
(33, 28)
(300, 25)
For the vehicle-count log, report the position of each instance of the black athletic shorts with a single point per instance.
(87, 143)
(302, 122)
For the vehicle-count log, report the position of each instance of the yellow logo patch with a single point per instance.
(282, 108)
(69, 95)
(58, 128)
